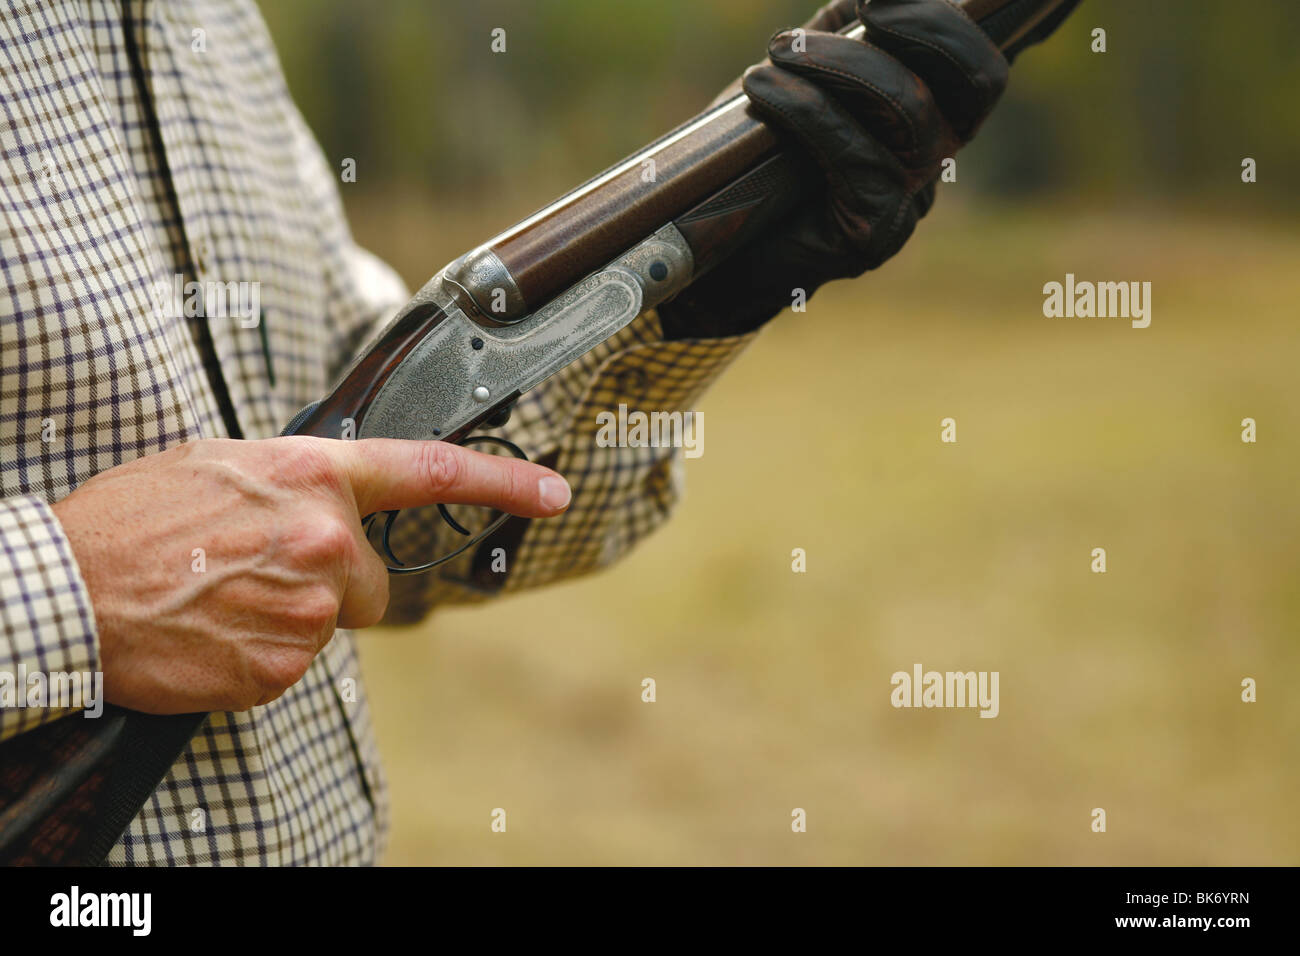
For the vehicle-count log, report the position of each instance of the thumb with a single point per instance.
(388, 474)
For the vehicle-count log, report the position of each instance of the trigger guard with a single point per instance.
(396, 565)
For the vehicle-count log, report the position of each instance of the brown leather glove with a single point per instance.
(875, 121)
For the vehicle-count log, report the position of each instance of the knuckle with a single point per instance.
(516, 488)
(303, 461)
(276, 672)
(323, 542)
(440, 466)
(313, 612)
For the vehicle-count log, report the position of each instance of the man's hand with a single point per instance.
(283, 556)
(874, 120)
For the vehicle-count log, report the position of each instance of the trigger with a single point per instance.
(455, 525)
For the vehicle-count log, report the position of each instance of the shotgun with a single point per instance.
(491, 325)
(518, 308)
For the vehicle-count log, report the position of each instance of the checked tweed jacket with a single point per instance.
(131, 158)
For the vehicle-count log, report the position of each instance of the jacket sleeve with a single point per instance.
(47, 628)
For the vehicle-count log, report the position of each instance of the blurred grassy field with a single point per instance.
(1118, 691)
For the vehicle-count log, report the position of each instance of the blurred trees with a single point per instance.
(414, 92)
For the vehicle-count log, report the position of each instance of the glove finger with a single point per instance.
(944, 47)
(864, 177)
(828, 19)
(883, 95)
(809, 250)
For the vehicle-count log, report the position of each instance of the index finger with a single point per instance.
(388, 474)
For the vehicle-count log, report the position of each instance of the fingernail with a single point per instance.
(555, 492)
